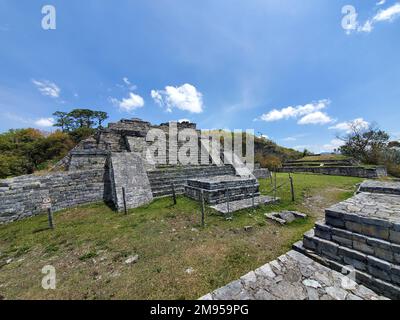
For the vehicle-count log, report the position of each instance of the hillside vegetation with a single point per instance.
(325, 157)
(270, 155)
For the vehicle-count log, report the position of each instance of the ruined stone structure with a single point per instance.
(293, 276)
(217, 189)
(98, 168)
(261, 173)
(362, 232)
(334, 167)
(353, 255)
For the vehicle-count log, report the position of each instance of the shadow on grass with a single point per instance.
(42, 230)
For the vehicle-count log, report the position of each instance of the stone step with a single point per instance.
(185, 169)
(374, 266)
(163, 179)
(387, 187)
(381, 249)
(380, 286)
(369, 214)
(182, 175)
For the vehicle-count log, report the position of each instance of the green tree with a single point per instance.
(101, 116)
(63, 120)
(79, 118)
(365, 144)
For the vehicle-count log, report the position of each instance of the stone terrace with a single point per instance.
(380, 187)
(362, 232)
(293, 276)
(361, 235)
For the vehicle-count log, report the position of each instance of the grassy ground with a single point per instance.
(90, 244)
(337, 157)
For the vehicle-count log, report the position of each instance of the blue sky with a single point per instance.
(285, 68)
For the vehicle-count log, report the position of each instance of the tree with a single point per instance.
(101, 116)
(365, 144)
(83, 118)
(306, 153)
(79, 118)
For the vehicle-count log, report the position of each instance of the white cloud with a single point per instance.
(334, 144)
(388, 14)
(47, 88)
(382, 2)
(316, 118)
(129, 104)
(289, 139)
(157, 97)
(129, 84)
(184, 120)
(309, 114)
(185, 97)
(44, 122)
(348, 125)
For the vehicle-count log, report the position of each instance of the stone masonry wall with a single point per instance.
(22, 197)
(127, 171)
(369, 173)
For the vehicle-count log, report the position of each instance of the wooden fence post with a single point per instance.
(124, 199)
(202, 209)
(50, 216)
(291, 187)
(227, 200)
(173, 193)
(252, 198)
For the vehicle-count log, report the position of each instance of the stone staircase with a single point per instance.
(163, 177)
(362, 232)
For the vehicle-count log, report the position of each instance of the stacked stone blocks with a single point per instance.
(221, 188)
(362, 232)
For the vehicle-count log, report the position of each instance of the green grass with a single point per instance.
(90, 244)
(337, 157)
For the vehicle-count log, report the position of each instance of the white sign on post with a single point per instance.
(46, 203)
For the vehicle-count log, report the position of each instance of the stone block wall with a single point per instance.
(127, 171)
(362, 232)
(87, 159)
(22, 197)
(361, 172)
(161, 179)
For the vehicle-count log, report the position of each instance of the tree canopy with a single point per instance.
(79, 118)
(365, 144)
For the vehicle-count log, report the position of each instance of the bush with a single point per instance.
(81, 134)
(27, 150)
(269, 161)
(393, 169)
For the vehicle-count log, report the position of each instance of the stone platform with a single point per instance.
(219, 189)
(293, 276)
(244, 204)
(362, 232)
(386, 187)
